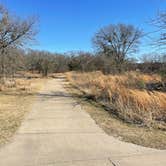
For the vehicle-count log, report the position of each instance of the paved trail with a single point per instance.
(57, 132)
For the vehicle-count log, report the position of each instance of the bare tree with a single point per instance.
(160, 23)
(14, 33)
(117, 41)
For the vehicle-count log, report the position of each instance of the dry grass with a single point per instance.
(112, 125)
(125, 95)
(124, 131)
(16, 98)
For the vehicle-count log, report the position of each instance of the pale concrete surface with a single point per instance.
(57, 132)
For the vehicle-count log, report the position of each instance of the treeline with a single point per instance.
(113, 45)
(44, 62)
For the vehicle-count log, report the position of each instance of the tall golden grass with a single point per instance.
(126, 95)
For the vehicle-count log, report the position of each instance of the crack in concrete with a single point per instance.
(112, 162)
(71, 161)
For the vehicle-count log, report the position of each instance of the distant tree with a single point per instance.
(60, 63)
(47, 62)
(11, 61)
(117, 41)
(32, 61)
(80, 60)
(41, 61)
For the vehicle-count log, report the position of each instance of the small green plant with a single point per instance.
(163, 77)
(141, 84)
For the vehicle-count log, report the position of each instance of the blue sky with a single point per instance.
(67, 25)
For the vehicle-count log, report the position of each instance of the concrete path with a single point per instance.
(57, 132)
